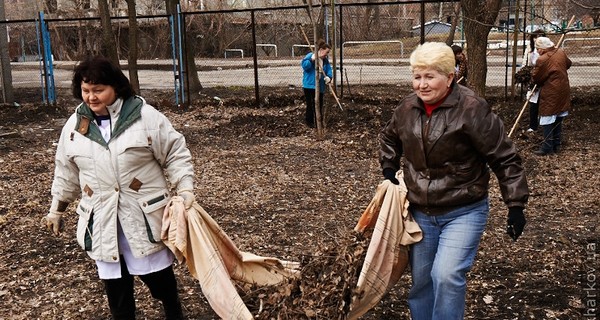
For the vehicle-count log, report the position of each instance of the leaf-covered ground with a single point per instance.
(279, 190)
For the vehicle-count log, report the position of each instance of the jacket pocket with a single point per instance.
(152, 206)
(81, 151)
(136, 139)
(85, 226)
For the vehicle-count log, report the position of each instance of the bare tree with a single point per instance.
(454, 24)
(319, 22)
(132, 56)
(479, 17)
(372, 20)
(591, 7)
(320, 110)
(7, 88)
(109, 44)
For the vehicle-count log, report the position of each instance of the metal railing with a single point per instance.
(241, 51)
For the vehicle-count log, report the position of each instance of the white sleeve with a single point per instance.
(534, 56)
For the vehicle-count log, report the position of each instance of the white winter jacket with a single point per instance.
(124, 178)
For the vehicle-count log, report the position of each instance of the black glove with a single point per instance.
(515, 222)
(390, 174)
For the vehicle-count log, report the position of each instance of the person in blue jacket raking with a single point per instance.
(309, 66)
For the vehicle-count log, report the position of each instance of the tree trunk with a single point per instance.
(80, 40)
(377, 23)
(109, 45)
(454, 24)
(319, 118)
(7, 86)
(192, 71)
(132, 56)
(367, 21)
(478, 20)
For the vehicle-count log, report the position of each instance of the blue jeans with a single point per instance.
(440, 262)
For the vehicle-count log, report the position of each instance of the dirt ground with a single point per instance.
(279, 190)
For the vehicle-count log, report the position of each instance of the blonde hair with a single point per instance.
(436, 55)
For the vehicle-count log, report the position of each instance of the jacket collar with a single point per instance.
(126, 112)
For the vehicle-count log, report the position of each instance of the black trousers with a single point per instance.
(533, 115)
(309, 95)
(162, 285)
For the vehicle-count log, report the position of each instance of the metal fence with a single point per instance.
(262, 48)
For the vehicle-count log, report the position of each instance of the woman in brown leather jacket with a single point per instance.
(449, 139)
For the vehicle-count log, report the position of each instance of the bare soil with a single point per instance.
(279, 190)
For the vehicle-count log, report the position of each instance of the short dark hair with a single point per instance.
(100, 70)
(456, 48)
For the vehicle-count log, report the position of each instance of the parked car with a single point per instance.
(533, 27)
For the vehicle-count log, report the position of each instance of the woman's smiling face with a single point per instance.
(98, 97)
(430, 85)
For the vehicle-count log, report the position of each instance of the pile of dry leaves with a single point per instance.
(324, 289)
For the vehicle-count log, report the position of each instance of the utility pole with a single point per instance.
(7, 90)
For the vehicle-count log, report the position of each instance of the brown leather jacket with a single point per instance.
(550, 72)
(447, 157)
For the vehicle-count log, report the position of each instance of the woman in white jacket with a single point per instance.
(529, 59)
(122, 157)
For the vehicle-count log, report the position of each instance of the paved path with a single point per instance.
(158, 74)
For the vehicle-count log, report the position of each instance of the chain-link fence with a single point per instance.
(262, 48)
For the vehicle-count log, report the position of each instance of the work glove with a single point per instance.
(390, 174)
(515, 222)
(188, 198)
(53, 221)
(314, 57)
(327, 79)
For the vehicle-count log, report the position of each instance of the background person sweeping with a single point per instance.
(449, 139)
(310, 65)
(461, 70)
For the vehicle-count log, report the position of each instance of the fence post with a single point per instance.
(342, 53)
(182, 72)
(256, 91)
(47, 61)
(177, 53)
(174, 57)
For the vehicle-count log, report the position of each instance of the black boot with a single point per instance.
(173, 310)
(542, 152)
